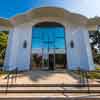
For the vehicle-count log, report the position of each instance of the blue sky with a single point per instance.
(89, 8)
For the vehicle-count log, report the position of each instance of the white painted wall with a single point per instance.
(79, 56)
(17, 56)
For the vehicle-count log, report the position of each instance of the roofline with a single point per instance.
(7, 22)
(30, 10)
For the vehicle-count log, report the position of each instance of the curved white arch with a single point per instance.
(48, 12)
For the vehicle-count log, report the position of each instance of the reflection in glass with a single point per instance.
(60, 58)
(45, 58)
(36, 58)
(52, 44)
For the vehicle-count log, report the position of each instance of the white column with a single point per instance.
(80, 55)
(17, 55)
(10, 51)
(73, 60)
(91, 65)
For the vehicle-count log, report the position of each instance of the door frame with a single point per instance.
(42, 48)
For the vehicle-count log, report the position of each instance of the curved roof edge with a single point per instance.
(16, 18)
(94, 21)
(31, 10)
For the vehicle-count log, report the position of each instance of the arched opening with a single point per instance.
(48, 46)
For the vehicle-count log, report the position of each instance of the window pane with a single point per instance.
(48, 37)
(60, 51)
(51, 45)
(45, 37)
(36, 43)
(36, 33)
(45, 45)
(59, 43)
(59, 32)
(51, 37)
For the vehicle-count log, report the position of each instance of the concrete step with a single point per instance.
(48, 90)
(32, 96)
(48, 96)
(49, 85)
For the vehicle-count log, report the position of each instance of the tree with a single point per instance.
(3, 44)
(95, 45)
(95, 39)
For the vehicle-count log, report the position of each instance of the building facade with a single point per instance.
(48, 37)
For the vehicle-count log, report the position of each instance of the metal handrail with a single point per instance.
(83, 77)
(15, 71)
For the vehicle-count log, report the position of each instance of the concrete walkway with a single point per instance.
(42, 77)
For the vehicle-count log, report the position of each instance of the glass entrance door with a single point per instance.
(51, 58)
(36, 59)
(48, 47)
(45, 59)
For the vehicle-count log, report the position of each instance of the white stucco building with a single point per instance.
(45, 20)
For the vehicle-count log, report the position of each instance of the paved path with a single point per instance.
(42, 77)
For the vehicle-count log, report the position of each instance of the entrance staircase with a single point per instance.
(46, 91)
(50, 91)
